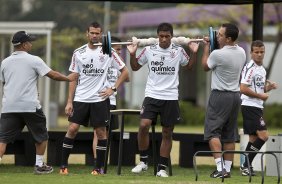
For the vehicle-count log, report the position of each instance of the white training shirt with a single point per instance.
(254, 76)
(92, 66)
(226, 65)
(112, 77)
(163, 65)
(20, 73)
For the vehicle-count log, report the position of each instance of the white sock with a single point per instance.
(218, 164)
(0, 159)
(228, 165)
(39, 160)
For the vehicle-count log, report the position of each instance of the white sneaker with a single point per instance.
(162, 173)
(140, 167)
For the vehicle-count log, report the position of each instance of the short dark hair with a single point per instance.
(115, 39)
(95, 25)
(256, 43)
(231, 30)
(165, 27)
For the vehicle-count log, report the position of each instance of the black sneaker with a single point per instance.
(44, 169)
(245, 171)
(97, 172)
(218, 174)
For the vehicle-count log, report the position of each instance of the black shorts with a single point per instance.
(221, 116)
(91, 114)
(252, 120)
(167, 109)
(11, 124)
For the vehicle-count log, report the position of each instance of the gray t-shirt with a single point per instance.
(20, 73)
(226, 65)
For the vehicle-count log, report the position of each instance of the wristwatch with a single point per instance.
(114, 88)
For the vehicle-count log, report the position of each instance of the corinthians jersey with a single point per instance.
(163, 65)
(254, 76)
(92, 66)
(112, 77)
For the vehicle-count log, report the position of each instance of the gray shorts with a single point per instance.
(221, 116)
(11, 124)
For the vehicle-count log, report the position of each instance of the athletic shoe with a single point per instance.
(227, 175)
(162, 173)
(44, 169)
(218, 174)
(97, 172)
(245, 171)
(140, 167)
(64, 171)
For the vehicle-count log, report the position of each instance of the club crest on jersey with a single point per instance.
(172, 54)
(262, 123)
(102, 58)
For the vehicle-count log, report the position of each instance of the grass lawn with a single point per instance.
(10, 174)
(79, 173)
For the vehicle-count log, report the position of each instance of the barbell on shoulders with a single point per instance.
(107, 44)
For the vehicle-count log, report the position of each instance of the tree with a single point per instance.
(242, 16)
(277, 19)
(10, 10)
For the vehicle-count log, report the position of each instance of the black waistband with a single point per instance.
(225, 91)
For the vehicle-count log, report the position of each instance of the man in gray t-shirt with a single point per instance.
(20, 104)
(226, 65)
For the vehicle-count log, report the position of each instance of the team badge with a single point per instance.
(172, 54)
(262, 123)
(102, 58)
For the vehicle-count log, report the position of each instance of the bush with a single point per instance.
(195, 115)
(191, 114)
(273, 115)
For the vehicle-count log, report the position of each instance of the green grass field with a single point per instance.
(10, 174)
(79, 173)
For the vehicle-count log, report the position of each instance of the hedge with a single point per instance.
(193, 115)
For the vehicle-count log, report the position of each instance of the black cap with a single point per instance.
(21, 37)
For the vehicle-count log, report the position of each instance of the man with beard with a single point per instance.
(225, 64)
(88, 100)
